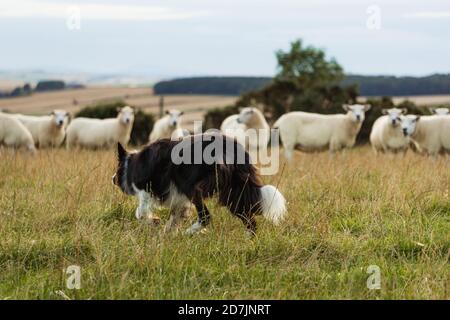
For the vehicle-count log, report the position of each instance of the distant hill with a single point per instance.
(368, 85)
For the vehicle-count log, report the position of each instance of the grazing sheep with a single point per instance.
(101, 133)
(430, 134)
(387, 134)
(238, 125)
(14, 134)
(440, 111)
(47, 131)
(315, 132)
(165, 127)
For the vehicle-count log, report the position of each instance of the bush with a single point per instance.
(50, 85)
(143, 122)
(214, 117)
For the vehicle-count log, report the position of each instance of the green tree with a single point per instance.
(307, 67)
(306, 80)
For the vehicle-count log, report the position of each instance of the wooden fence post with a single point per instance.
(161, 107)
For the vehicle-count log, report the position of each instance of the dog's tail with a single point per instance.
(272, 204)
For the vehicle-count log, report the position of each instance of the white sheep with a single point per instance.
(387, 134)
(166, 126)
(14, 134)
(430, 134)
(101, 133)
(249, 128)
(47, 131)
(441, 111)
(315, 132)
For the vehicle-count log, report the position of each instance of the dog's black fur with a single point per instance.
(237, 185)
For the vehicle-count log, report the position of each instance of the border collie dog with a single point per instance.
(156, 179)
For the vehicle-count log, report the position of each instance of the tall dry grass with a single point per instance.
(345, 214)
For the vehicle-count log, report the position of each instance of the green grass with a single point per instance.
(345, 214)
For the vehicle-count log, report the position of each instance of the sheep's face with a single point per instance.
(60, 117)
(126, 115)
(409, 124)
(174, 117)
(357, 111)
(245, 115)
(441, 111)
(394, 115)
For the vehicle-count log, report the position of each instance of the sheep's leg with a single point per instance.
(333, 148)
(204, 217)
(288, 152)
(144, 208)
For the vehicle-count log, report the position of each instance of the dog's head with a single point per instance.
(120, 178)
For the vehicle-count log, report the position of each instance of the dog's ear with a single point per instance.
(121, 152)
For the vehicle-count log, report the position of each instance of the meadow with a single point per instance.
(346, 213)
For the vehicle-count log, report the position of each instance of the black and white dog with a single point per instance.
(157, 176)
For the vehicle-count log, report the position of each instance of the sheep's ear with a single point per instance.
(417, 118)
(52, 113)
(404, 110)
(121, 152)
(181, 113)
(69, 116)
(367, 107)
(346, 107)
(384, 111)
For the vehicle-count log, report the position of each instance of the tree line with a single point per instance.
(367, 85)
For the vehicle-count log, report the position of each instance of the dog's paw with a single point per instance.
(195, 228)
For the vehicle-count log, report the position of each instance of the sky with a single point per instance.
(173, 38)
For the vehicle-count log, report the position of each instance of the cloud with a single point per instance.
(428, 15)
(93, 11)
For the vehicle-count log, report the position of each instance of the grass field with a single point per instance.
(345, 214)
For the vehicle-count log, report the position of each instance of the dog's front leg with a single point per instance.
(144, 209)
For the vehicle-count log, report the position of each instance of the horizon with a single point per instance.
(198, 38)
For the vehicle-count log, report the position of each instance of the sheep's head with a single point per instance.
(357, 111)
(409, 124)
(441, 111)
(394, 115)
(126, 115)
(60, 117)
(245, 115)
(174, 117)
